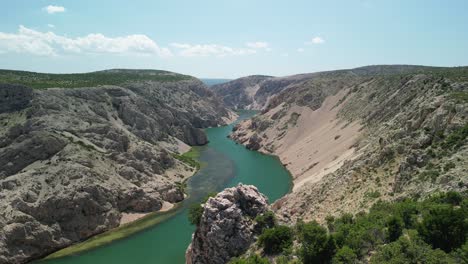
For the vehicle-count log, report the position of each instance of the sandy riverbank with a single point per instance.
(130, 217)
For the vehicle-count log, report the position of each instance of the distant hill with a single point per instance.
(91, 79)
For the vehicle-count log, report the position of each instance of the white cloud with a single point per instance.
(51, 9)
(300, 50)
(316, 40)
(258, 45)
(204, 50)
(50, 44)
(51, 25)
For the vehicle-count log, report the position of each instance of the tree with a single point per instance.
(195, 213)
(394, 228)
(317, 245)
(410, 249)
(275, 240)
(344, 255)
(444, 227)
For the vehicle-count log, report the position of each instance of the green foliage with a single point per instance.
(460, 97)
(189, 158)
(93, 79)
(453, 198)
(394, 228)
(408, 231)
(444, 227)
(456, 139)
(255, 259)
(461, 254)
(344, 255)
(449, 166)
(275, 240)
(429, 174)
(316, 245)
(264, 221)
(196, 210)
(372, 194)
(409, 250)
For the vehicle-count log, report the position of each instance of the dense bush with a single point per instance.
(409, 231)
(264, 221)
(445, 227)
(275, 240)
(409, 249)
(316, 245)
(394, 228)
(344, 255)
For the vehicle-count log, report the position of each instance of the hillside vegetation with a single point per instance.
(92, 79)
(409, 231)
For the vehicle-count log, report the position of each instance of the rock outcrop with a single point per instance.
(240, 93)
(226, 229)
(72, 160)
(14, 98)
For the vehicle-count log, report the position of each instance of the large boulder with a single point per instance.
(226, 228)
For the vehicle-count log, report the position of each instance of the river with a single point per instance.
(225, 164)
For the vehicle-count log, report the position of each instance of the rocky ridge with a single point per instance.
(72, 160)
(241, 93)
(352, 137)
(226, 227)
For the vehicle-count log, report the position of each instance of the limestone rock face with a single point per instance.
(392, 131)
(226, 228)
(72, 160)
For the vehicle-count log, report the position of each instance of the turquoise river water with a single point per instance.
(226, 165)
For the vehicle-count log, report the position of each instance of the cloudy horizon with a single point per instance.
(232, 40)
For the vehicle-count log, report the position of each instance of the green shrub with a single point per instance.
(394, 228)
(195, 211)
(188, 158)
(275, 240)
(444, 227)
(255, 259)
(456, 139)
(317, 246)
(264, 221)
(449, 166)
(409, 250)
(451, 197)
(344, 255)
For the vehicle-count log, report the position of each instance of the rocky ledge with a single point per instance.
(226, 228)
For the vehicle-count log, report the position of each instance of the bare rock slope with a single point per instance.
(226, 227)
(73, 159)
(240, 93)
(352, 137)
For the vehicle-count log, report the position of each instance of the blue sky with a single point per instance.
(228, 39)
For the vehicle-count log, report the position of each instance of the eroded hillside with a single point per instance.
(74, 160)
(353, 137)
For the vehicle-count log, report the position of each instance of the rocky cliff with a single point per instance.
(241, 93)
(74, 159)
(352, 137)
(226, 227)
